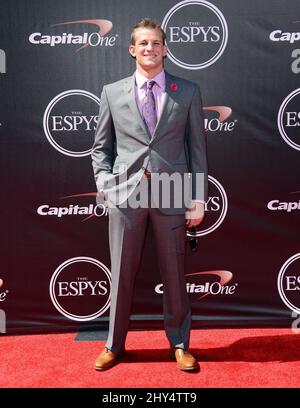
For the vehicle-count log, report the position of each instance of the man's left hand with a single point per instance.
(195, 214)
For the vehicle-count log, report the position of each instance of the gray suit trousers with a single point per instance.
(127, 230)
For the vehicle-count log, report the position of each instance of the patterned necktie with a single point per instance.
(149, 109)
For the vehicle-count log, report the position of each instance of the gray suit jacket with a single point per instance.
(123, 145)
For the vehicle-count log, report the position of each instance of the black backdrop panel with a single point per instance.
(55, 57)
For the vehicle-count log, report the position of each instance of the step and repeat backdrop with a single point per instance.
(55, 57)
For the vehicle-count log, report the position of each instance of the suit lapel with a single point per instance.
(167, 108)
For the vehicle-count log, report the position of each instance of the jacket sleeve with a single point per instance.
(196, 146)
(103, 151)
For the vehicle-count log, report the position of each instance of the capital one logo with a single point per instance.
(2, 294)
(211, 283)
(80, 288)
(85, 39)
(287, 36)
(215, 208)
(287, 206)
(70, 121)
(2, 312)
(196, 32)
(288, 119)
(84, 211)
(288, 283)
(220, 123)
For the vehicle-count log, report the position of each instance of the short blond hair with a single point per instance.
(148, 23)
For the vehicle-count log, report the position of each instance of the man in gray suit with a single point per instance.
(150, 124)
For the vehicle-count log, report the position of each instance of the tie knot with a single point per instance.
(150, 84)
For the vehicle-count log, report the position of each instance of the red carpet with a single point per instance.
(228, 358)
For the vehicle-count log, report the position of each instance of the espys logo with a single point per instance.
(2, 62)
(220, 123)
(215, 283)
(288, 119)
(70, 121)
(197, 34)
(288, 283)
(85, 39)
(80, 288)
(288, 206)
(87, 211)
(215, 208)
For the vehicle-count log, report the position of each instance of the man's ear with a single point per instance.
(165, 51)
(132, 51)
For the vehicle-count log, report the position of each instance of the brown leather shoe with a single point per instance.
(107, 359)
(185, 360)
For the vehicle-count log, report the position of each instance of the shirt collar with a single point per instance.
(160, 79)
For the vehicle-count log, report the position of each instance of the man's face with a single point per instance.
(148, 49)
